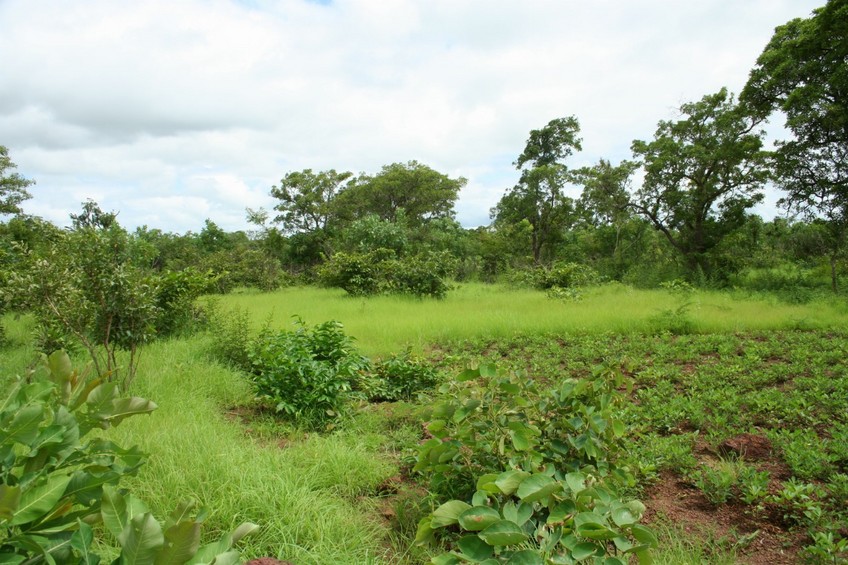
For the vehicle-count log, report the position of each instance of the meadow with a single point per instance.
(707, 366)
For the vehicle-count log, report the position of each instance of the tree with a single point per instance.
(701, 175)
(606, 197)
(803, 72)
(538, 197)
(12, 185)
(307, 199)
(421, 192)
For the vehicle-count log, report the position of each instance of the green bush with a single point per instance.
(538, 465)
(400, 377)
(231, 335)
(305, 374)
(176, 293)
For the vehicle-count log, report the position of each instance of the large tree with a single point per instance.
(538, 197)
(420, 192)
(702, 173)
(803, 72)
(12, 185)
(306, 199)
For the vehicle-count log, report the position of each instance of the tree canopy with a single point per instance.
(803, 72)
(701, 175)
(13, 187)
(538, 197)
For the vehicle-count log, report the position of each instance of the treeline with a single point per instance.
(689, 217)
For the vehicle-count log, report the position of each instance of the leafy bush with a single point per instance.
(399, 377)
(176, 292)
(52, 486)
(536, 518)
(380, 271)
(558, 276)
(485, 422)
(544, 464)
(307, 373)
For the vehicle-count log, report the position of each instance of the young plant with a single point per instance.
(305, 374)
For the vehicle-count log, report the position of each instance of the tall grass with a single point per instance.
(386, 324)
(304, 494)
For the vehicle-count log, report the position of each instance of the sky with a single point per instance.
(174, 112)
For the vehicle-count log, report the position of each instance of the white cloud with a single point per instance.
(202, 105)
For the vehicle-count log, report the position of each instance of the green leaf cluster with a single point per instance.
(307, 373)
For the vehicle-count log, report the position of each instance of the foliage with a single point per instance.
(801, 73)
(702, 173)
(567, 275)
(544, 463)
(13, 187)
(485, 422)
(231, 336)
(306, 199)
(85, 289)
(538, 197)
(380, 271)
(54, 487)
(305, 374)
(176, 293)
(51, 481)
(400, 377)
(420, 192)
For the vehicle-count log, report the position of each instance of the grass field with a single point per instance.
(319, 497)
(387, 324)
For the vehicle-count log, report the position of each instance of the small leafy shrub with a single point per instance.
(305, 374)
(536, 518)
(485, 422)
(231, 335)
(676, 321)
(358, 274)
(176, 293)
(568, 275)
(400, 377)
(564, 294)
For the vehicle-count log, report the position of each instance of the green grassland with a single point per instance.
(742, 364)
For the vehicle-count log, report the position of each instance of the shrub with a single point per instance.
(176, 293)
(400, 377)
(230, 335)
(380, 271)
(307, 373)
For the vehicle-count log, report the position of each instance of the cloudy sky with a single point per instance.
(172, 112)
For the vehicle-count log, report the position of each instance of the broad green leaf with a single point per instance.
(244, 529)
(643, 535)
(10, 500)
(424, 533)
(39, 501)
(537, 487)
(11, 558)
(622, 516)
(468, 375)
(590, 525)
(227, 558)
(114, 510)
(520, 440)
(182, 513)
(182, 540)
(487, 483)
(614, 561)
(562, 512)
(125, 407)
(585, 550)
(478, 518)
(474, 548)
(508, 481)
(576, 482)
(81, 541)
(644, 557)
(502, 533)
(525, 557)
(509, 388)
(141, 540)
(60, 366)
(488, 371)
(448, 513)
(99, 400)
(24, 426)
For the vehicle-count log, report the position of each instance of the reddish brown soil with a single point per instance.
(758, 537)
